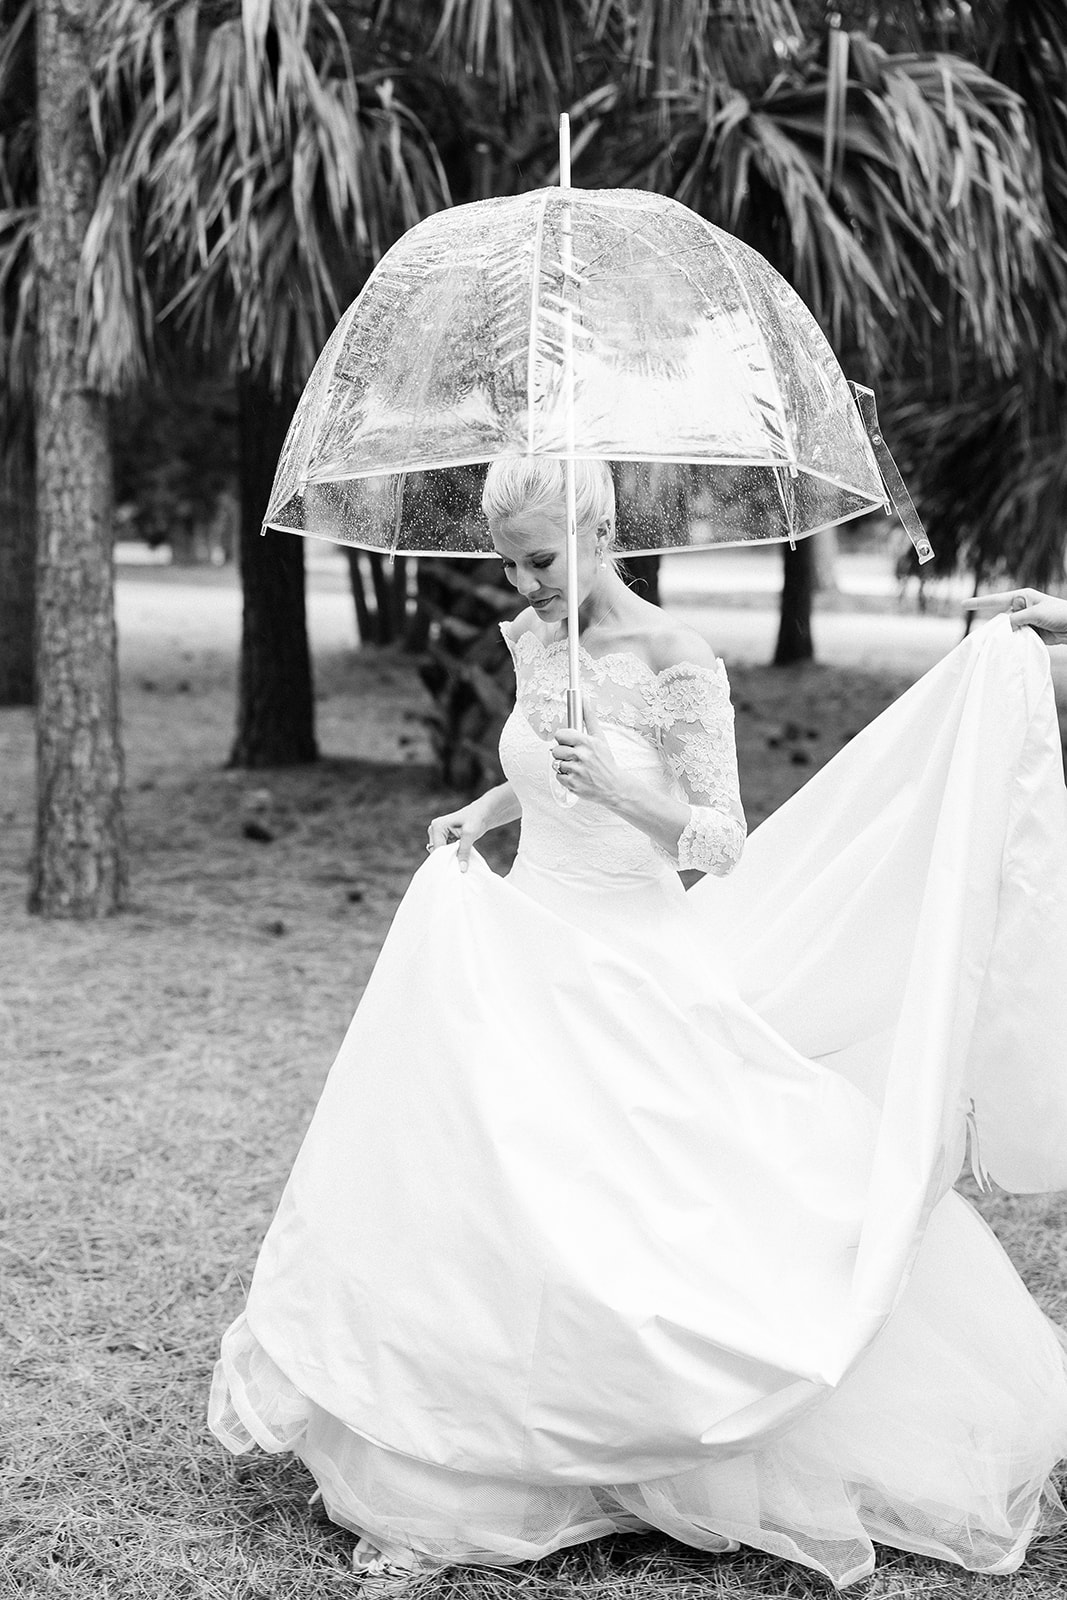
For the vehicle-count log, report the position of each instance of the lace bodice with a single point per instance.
(674, 727)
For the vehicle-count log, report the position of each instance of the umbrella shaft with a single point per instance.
(574, 691)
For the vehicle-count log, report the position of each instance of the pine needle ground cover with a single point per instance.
(158, 1071)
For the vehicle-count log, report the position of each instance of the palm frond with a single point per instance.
(524, 45)
(665, 45)
(932, 215)
(990, 479)
(1027, 49)
(259, 174)
(18, 212)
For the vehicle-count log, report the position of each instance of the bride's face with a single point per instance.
(533, 547)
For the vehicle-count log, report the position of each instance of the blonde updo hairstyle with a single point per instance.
(515, 484)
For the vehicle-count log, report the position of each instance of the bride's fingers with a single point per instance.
(567, 752)
(466, 845)
(440, 831)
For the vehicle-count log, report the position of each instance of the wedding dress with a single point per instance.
(630, 1208)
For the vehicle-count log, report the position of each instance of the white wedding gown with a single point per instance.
(625, 1207)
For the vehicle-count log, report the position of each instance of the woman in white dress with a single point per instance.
(625, 1207)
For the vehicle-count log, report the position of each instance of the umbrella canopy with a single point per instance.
(614, 324)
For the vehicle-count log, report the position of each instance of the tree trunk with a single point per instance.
(827, 550)
(645, 572)
(359, 595)
(794, 628)
(417, 630)
(79, 865)
(18, 530)
(390, 583)
(275, 701)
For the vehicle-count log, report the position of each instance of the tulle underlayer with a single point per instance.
(940, 1441)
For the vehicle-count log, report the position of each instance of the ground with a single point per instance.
(158, 1070)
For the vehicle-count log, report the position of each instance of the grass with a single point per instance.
(158, 1070)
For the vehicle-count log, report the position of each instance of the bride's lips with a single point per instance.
(540, 604)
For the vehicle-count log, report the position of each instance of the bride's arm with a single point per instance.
(705, 830)
(501, 805)
(492, 809)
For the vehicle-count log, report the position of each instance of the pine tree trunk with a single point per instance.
(79, 867)
(645, 572)
(18, 531)
(826, 553)
(275, 702)
(364, 626)
(798, 587)
(390, 590)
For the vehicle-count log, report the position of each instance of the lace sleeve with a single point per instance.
(697, 739)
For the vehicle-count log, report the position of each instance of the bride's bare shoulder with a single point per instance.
(671, 646)
(527, 621)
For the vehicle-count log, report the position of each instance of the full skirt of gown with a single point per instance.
(625, 1207)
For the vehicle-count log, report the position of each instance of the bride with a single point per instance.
(626, 1207)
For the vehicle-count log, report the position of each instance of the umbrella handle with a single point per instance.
(563, 796)
(560, 795)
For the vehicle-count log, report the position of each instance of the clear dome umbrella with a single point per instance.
(572, 323)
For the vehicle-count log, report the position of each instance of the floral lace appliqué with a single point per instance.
(683, 712)
(710, 842)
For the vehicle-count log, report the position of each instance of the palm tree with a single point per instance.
(18, 186)
(264, 156)
(989, 454)
(79, 866)
(892, 182)
(897, 191)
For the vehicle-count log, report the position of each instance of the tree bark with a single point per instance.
(798, 586)
(18, 534)
(645, 572)
(275, 698)
(390, 594)
(827, 550)
(79, 865)
(364, 626)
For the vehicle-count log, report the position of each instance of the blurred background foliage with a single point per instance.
(904, 165)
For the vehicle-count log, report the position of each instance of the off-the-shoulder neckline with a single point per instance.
(686, 667)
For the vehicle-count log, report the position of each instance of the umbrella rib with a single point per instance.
(724, 255)
(484, 458)
(676, 261)
(535, 279)
(635, 550)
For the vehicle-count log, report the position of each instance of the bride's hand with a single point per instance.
(1029, 608)
(584, 762)
(466, 825)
